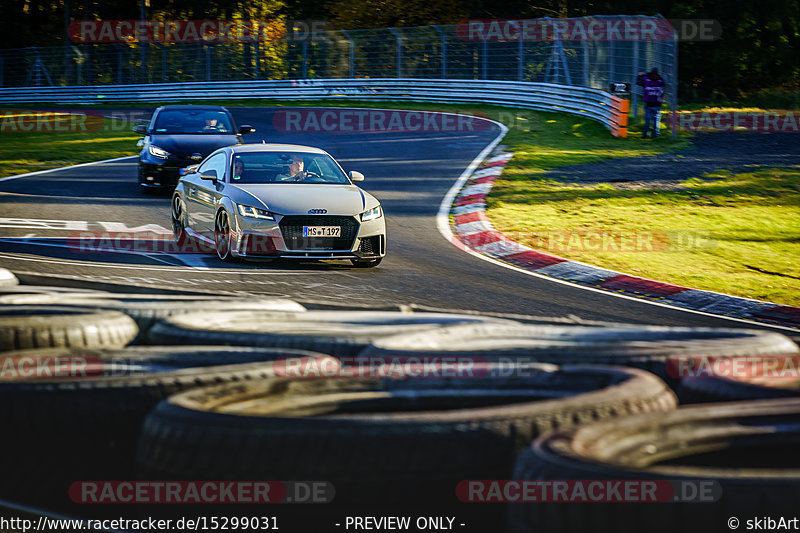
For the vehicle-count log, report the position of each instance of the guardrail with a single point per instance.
(591, 103)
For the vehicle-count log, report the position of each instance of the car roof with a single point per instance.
(249, 148)
(193, 107)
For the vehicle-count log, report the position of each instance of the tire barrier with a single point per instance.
(78, 413)
(722, 461)
(646, 347)
(405, 441)
(28, 327)
(18, 290)
(338, 333)
(743, 378)
(217, 400)
(7, 279)
(147, 309)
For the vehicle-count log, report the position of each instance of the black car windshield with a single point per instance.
(285, 167)
(193, 121)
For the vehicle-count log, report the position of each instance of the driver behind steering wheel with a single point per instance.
(294, 170)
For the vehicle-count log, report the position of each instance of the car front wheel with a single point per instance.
(222, 236)
(178, 224)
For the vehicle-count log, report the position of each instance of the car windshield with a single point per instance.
(193, 121)
(286, 167)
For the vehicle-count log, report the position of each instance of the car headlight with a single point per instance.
(158, 152)
(372, 214)
(254, 212)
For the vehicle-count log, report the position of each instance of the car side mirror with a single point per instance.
(355, 176)
(141, 129)
(191, 169)
(245, 129)
(209, 175)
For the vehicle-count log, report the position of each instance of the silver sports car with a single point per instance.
(278, 201)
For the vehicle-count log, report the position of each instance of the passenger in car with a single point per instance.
(238, 170)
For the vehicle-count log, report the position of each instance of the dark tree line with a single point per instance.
(759, 47)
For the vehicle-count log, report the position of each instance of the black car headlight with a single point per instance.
(371, 214)
(158, 152)
(254, 212)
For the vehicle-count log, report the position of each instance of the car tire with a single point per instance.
(7, 278)
(648, 347)
(147, 309)
(41, 290)
(742, 451)
(338, 333)
(74, 428)
(222, 236)
(366, 263)
(28, 327)
(142, 187)
(738, 379)
(178, 213)
(408, 441)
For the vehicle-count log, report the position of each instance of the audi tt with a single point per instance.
(278, 201)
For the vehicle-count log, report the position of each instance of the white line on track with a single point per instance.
(176, 269)
(48, 171)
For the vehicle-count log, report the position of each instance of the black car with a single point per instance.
(182, 135)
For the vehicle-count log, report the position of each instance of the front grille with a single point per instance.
(292, 230)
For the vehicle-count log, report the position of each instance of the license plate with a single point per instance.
(322, 231)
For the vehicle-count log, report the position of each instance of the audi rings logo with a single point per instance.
(317, 211)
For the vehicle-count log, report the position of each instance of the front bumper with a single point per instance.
(161, 173)
(279, 239)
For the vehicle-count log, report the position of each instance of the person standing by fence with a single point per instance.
(653, 96)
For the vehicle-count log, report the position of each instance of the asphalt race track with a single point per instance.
(408, 172)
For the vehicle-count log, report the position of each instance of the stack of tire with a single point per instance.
(215, 388)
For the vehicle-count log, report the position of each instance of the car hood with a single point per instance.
(299, 198)
(184, 145)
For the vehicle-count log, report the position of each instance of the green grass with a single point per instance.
(738, 234)
(28, 151)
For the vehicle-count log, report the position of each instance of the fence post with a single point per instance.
(585, 47)
(256, 60)
(119, 66)
(399, 60)
(305, 59)
(635, 67)
(352, 60)
(208, 61)
(611, 60)
(485, 59)
(444, 50)
(674, 88)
